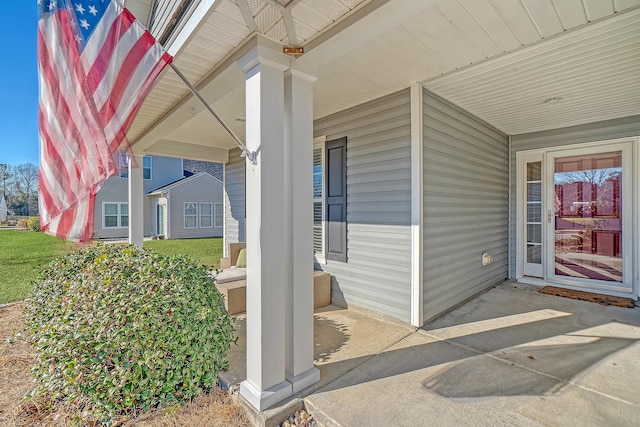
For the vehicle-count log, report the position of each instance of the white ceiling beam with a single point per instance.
(247, 15)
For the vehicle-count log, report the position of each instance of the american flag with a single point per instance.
(96, 65)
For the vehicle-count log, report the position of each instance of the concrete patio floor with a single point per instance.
(511, 356)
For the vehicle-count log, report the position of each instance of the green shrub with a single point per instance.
(118, 329)
(34, 223)
(23, 223)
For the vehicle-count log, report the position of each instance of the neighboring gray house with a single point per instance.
(451, 145)
(162, 175)
(190, 207)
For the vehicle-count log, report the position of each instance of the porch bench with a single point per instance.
(235, 292)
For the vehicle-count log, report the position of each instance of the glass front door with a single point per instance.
(588, 217)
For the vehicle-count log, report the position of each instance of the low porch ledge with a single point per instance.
(235, 291)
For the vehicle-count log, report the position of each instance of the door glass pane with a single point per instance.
(534, 215)
(534, 171)
(588, 216)
(534, 191)
(534, 254)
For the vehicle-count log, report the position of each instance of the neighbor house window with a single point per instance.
(123, 166)
(218, 216)
(146, 167)
(115, 215)
(190, 215)
(206, 215)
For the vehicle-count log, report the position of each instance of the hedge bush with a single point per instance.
(34, 223)
(118, 329)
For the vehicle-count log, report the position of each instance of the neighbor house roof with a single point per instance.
(181, 181)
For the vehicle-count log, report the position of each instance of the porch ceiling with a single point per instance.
(499, 59)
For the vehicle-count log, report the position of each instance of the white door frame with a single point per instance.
(631, 211)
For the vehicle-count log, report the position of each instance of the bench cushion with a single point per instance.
(231, 275)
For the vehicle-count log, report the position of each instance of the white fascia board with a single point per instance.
(182, 150)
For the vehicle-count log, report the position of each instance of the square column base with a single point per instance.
(265, 399)
(304, 380)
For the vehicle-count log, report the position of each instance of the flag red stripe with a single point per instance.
(55, 162)
(122, 132)
(137, 52)
(119, 27)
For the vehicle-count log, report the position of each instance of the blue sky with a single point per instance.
(19, 83)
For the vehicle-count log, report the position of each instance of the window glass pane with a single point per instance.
(205, 221)
(205, 208)
(534, 254)
(124, 209)
(219, 214)
(317, 173)
(534, 233)
(146, 173)
(317, 227)
(124, 221)
(534, 171)
(534, 212)
(534, 192)
(190, 209)
(111, 209)
(110, 221)
(190, 221)
(146, 162)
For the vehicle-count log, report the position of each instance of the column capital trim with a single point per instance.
(266, 53)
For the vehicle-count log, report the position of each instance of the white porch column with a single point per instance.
(299, 368)
(266, 383)
(136, 201)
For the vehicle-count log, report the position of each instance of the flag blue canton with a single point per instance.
(87, 15)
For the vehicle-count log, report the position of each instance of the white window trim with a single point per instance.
(319, 142)
(216, 206)
(200, 215)
(184, 215)
(118, 215)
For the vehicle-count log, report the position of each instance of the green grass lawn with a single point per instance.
(23, 254)
(202, 251)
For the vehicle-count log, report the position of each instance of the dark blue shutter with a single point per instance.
(336, 199)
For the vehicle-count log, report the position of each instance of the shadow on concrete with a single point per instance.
(505, 359)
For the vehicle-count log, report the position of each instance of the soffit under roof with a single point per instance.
(499, 59)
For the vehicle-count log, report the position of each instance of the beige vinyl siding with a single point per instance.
(591, 132)
(199, 189)
(377, 273)
(164, 170)
(465, 205)
(234, 203)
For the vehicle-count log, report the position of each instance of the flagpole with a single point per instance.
(251, 156)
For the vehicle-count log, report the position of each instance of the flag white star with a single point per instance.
(84, 24)
(79, 8)
(78, 38)
(52, 5)
(39, 1)
(93, 10)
